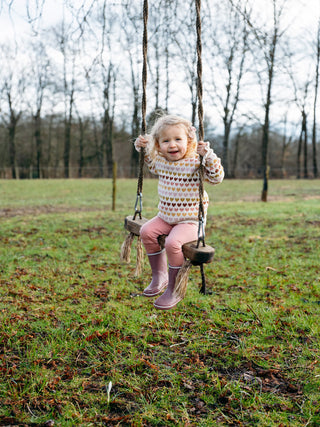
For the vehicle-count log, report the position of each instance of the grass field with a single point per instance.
(79, 345)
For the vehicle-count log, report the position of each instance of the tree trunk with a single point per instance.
(194, 111)
(314, 150)
(167, 80)
(265, 130)
(67, 138)
(97, 144)
(300, 150)
(225, 151)
(157, 81)
(108, 144)
(305, 147)
(114, 185)
(265, 141)
(314, 126)
(235, 154)
(67, 146)
(37, 136)
(12, 126)
(12, 148)
(135, 132)
(81, 147)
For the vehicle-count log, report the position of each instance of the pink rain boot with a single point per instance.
(158, 263)
(169, 299)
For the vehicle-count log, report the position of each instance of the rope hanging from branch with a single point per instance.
(144, 93)
(199, 69)
(207, 255)
(131, 223)
(200, 105)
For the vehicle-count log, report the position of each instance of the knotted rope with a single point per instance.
(183, 275)
(200, 105)
(144, 93)
(201, 134)
(126, 246)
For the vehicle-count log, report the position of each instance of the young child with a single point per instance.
(172, 153)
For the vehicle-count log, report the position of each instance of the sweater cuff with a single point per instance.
(209, 153)
(136, 147)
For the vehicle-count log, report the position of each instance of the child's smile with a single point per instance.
(173, 143)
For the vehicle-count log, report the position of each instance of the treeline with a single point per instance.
(88, 158)
(70, 93)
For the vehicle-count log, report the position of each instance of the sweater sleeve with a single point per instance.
(213, 169)
(148, 160)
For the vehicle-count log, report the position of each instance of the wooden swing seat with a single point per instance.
(198, 254)
(195, 252)
(134, 225)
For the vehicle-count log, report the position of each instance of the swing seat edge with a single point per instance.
(134, 225)
(198, 255)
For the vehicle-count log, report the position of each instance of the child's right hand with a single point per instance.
(141, 141)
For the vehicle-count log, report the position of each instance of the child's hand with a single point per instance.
(202, 148)
(141, 141)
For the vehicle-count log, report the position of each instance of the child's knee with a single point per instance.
(147, 233)
(172, 245)
(144, 233)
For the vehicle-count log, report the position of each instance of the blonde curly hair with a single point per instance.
(171, 120)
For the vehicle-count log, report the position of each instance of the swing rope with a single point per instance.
(126, 246)
(143, 105)
(144, 93)
(183, 275)
(201, 137)
(132, 224)
(200, 113)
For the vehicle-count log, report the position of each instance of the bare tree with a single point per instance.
(68, 47)
(315, 102)
(230, 38)
(267, 40)
(108, 75)
(161, 31)
(232, 172)
(12, 90)
(132, 44)
(38, 84)
(109, 97)
(185, 40)
(301, 95)
(286, 142)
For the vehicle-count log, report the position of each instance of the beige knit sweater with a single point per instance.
(178, 186)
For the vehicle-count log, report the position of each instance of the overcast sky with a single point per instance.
(301, 16)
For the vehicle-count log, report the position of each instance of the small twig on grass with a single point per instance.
(271, 268)
(178, 343)
(108, 391)
(255, 314)
(308, 422)
(268, 268)
(193, 339)
(31, 411)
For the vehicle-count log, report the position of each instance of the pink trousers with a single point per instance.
(178, 234)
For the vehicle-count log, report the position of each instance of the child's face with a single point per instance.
(173, 143)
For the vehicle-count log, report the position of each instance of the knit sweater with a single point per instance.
(178, 186)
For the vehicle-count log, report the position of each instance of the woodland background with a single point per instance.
(70, 86)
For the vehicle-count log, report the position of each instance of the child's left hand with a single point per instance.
(202, 148)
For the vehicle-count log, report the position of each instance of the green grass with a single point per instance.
(72, 317)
